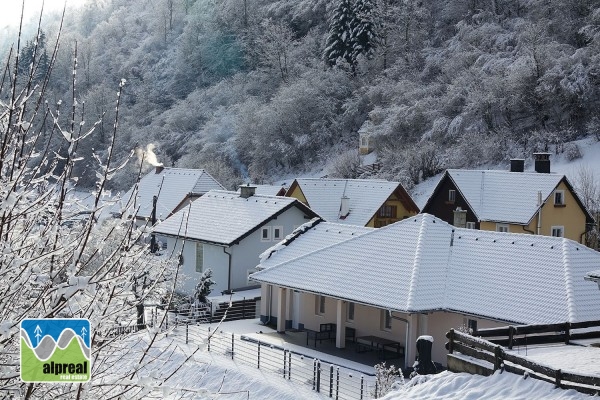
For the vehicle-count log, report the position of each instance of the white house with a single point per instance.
(171, 186)
(226, 232)
(422, 276)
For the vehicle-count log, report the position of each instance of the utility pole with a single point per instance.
(153, 220)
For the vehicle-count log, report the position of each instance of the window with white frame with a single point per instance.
(471, 225)
(501, 227)
(319, 305)
(199, 257)
(557, 231)
(265, 234)
(386, 320)
(277, 232)
(451, 195)
(350, 311)
(559, 198)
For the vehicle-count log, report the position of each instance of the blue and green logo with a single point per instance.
(55, 350)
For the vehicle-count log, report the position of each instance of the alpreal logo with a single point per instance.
(55, 350)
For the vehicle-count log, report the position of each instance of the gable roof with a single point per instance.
(223, 217)
(172, 185)
(423, 264)
(503, 196)
(307, 238)
(365, 196)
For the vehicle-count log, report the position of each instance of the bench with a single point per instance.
(325, 332)
(381, 345)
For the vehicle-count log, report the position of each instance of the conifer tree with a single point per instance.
(339, 41)
(364, 33)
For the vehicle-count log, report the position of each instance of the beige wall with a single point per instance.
(571, 217)
(297, 194)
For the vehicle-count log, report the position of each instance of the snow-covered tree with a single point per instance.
(339, 45)
(364, 37)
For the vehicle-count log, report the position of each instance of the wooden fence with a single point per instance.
(494, 351)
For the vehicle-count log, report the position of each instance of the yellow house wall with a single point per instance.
(297, 194)
(401, 211)
(571, 217)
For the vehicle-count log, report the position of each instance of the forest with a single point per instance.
(257, 90)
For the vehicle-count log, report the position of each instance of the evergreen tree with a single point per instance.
(339, 44)
(352, 32)
(364, 33)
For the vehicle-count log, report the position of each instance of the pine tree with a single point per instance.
(364, 32)
(339, 41)
(352, 32)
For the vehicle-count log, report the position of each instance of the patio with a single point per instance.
(324, 350)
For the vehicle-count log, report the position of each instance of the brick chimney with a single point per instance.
(542, 162)
(159, 168)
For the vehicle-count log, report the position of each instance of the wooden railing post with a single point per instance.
(567, 332)
(511, 334)
(451, 341)
(497, 358)
(558, 378)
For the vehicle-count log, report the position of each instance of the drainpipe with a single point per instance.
(539, 219)
(229, 270)
(406, 344)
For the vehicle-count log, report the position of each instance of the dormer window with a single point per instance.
(451, 196)
(559, 198)
(387, 211)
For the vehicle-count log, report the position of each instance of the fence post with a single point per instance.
(284, 361)
(362, 387)
(208, 338)
(511, 334)
(567, 332)
(289, 365)
(318, 376)
(497, 358)
(232, 344)
(376, 387)
(187, 332)
(450, 344)
(558, 377)
(258, 357)
(331, 381)
(314, 374)
(337, 383)
(244, 308)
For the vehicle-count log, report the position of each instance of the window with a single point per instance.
(471, 325)
(265, 234)
(277, 232)
(320, 305)
(350, 311)
(471, 225)
(557, 231)
(387, 211)
(501, 227)
(559, 198)
(199, 257)
(452, 196)
(386, 320)
(364, 141)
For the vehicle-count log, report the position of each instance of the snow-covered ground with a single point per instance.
(579, 359)
(500, 386)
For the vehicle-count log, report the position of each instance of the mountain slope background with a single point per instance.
(242, 87)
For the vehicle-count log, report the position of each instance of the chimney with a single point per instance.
(517, 165)
(159, 168)
(247, 191)
(344, 207)
(542, 162)
(460, 218)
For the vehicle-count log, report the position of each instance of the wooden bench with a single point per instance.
(381, 345)
(326, 332)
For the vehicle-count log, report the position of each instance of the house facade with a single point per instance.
(226, 232)
(539, 202)
(422, 276)
(363, 202)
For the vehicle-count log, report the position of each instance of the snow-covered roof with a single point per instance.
(313, 235)
(224, 217)
(171, 185)
(269, 190)
(503, 196)
(365, 196)
(423, 264)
